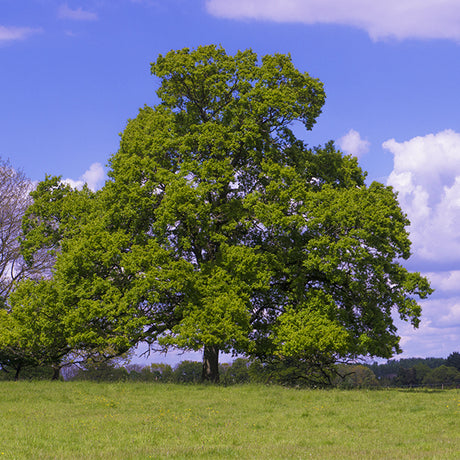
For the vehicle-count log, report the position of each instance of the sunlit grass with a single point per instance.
(81, 420)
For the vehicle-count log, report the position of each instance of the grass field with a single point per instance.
(81, 420)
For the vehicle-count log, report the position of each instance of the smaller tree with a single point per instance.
(421, 370)
(236, 372)
(443, 375)
(160, 372)
(58, 214)
(406, 377)
(12, 357)
(187, 372)
(453, 360)
(33, 328)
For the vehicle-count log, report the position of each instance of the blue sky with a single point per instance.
(72, 73)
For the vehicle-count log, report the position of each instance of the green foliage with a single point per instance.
(453, 360)
(67, 224)
(219, 229)
(101, 372)
(443, 375)
(33, 330)
(406, 377)
(30, 373)
(286, 371)
(55, 214)
(236, 372)
(159, 372)
(421, 370)
(355, 376)
(187, 372)
(417, 372)
(394, 368)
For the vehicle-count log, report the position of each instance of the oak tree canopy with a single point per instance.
(220, 230)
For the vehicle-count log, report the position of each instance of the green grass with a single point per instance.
(81, 420)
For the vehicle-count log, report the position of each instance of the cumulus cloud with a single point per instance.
(9, 34)
(399, 19)
(429, 340)
(352, 144)
(93, 178)
(77, 15)
(447, 282)
(426, 175)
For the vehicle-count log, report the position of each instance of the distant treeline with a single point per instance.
(412, 372)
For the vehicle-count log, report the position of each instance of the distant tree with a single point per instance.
(103, 368)
(258, 371)
(443, 375)
(421, 371)
(157, 372)
(385, 371)
(187, 372)
(134, 367)
(406, 377)
(237, 372)
(407, 371)
(355, 376)
(104, 371)
(430, 362)
(165, 370)
(453, 360)
(433, 362)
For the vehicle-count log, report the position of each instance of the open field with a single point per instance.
(81, 420)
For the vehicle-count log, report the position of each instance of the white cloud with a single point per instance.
(352, 144)
(445, 281)
(9, 34)
(381, 19)
(427, 176)
(428, 340)
(93, 177)
(439, 330)
(78, 15)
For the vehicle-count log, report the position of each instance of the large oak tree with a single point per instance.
(220, 230)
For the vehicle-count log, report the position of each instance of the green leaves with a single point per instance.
(241, 184)
(311, 329)
(32, 329)
(220, 229)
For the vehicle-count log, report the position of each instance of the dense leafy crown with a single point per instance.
(219, 228)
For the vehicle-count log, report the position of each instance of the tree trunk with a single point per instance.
(16, 375)
(210, 364)
(56, 372)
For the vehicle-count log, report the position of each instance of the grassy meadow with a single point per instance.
(82, 420)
